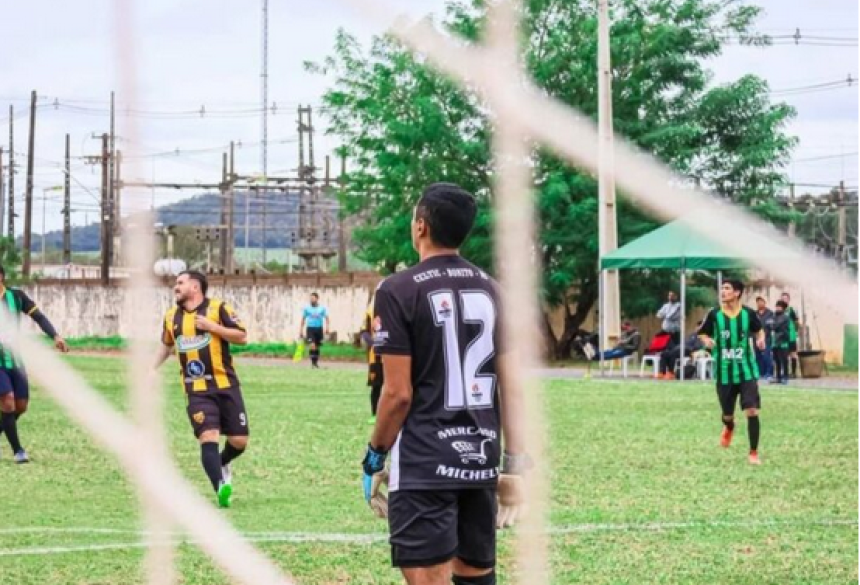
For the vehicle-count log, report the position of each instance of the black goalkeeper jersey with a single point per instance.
(444, 313)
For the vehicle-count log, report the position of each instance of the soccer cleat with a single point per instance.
(661, 376)
(225, 491)
(21, 457)
(726, 437)
(227, 474)
(669, 376)
(754, 460)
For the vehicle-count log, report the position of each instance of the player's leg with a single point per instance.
(375, 393)
(234, 425)
(751, 403)
(204, 415)
(727, 394)
(8, 418)
(423, 527)
(792, 349)
(316, 335)
(476, 534)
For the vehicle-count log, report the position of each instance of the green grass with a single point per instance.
(622, 454)
(338, 351)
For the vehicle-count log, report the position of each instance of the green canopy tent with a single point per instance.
(678, 246)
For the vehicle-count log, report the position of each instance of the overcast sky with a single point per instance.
(198, 53)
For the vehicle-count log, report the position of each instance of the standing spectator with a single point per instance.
(765, 357)
(671, 315)
(793, 322)
(672, 353)
(781, 332)
(316, 318)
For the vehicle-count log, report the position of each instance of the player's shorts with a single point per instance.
(792, 346)
(314, 335)
(14, 380)
(729, 393)
(221, 410)
(430, 527)
(374, 374)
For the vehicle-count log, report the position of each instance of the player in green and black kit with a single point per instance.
(729, 332)
(793, 322)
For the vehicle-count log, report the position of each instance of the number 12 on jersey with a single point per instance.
(465, 388)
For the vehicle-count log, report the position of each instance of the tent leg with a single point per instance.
(683, 315)
(601, 323)
(719, 284)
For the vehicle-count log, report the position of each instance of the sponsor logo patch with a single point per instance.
(194, 343)
(198, 417)
(195, 369)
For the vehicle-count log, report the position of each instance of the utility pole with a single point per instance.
(792, 226)
(116, 206)
(608, 230)
(106, 235)
(67, 208)
(841, 227)
(264, 82)
(11, 217)
(231, 214)
(28, 200)
(222, 191)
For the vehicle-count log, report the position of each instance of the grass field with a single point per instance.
(640, 491)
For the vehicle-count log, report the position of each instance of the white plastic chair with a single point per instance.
(705, 368)
(653, 359)
(625, 361)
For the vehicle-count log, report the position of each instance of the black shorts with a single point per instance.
(728, 394)
(14, 380)
(221, 410)
(792, 346)
(314, 335)
(432, 527)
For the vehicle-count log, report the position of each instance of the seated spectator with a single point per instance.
(668, 357)
(627, 344)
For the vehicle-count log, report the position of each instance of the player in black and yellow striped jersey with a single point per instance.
(374, 362)
(200, 331)
(730, 331)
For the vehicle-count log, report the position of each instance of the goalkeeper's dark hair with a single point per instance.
(736, 285)
(199, 277)
(449, 211)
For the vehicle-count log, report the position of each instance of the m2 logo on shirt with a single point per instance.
(197, 342)
(733, 354)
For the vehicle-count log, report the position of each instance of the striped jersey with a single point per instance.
(734, 350)
(204, 357)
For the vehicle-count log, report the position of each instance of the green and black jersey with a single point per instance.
(793, 320)
(734, 353)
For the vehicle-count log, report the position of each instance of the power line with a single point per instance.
(825, 157)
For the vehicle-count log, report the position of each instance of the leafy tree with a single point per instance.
(404, 126)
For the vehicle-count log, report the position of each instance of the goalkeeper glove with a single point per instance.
(511, 490)
(374, 477)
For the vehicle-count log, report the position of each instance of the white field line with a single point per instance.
(378, 537)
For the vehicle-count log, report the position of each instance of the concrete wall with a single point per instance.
(270, 307)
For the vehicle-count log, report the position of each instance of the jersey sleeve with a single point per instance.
(28, 307)
(390, 324)
(229, 318)
(167, 331)
(707, 327)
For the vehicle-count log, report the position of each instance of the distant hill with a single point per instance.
(204, 209)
